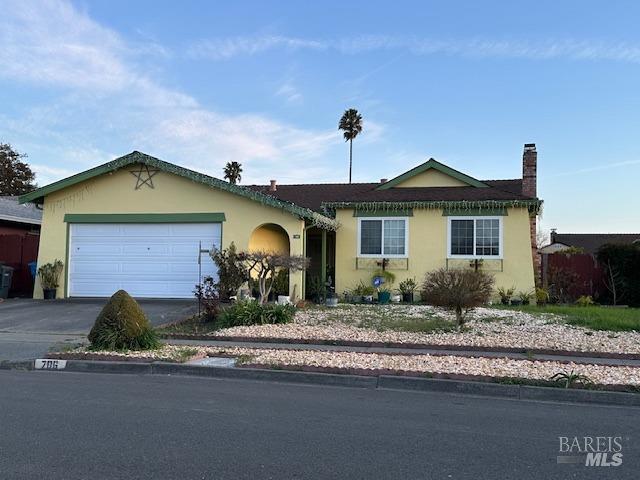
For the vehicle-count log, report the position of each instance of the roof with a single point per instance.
(136, 157)
(11, 210)
(323, 196)
(432, 164)
(591, 242)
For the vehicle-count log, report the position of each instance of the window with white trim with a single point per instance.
(475, 237)
(382, 237)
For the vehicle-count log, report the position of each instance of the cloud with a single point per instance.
(224, 48)
(289, 92)
(219, 49)
(105, 97)
(597, 168)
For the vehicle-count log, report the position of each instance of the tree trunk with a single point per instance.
(350, 158)
(459, 317)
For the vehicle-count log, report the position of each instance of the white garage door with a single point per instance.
(155, 260)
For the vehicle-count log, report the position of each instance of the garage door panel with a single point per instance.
(147, 260)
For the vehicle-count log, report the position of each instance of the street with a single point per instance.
(100, 426)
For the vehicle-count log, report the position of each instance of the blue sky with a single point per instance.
(264, 83)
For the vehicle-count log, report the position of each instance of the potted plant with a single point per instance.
(407, 287)
(525, 297)
(332, 298)
(505, 294)
(49, 275)
(367, 293)
(382, 280)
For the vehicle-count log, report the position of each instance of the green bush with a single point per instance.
(585, 301)
(122, 325)
(253, 313)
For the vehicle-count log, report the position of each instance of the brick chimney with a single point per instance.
(383, 180)
(529, 170)
(272, 186)
(529, 188)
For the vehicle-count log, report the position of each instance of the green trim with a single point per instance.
(435, 165)
(136, 157)
(66, 265)
(534, 206)
(474, 212)
(383, 213)
(144, 218)
(323, 257)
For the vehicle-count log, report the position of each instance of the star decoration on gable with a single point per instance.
(144, 176)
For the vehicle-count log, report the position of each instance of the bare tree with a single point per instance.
(459, 290)
(613, 281)
(266, 264)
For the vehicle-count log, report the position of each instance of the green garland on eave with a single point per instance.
(533, 206)
(315, 218)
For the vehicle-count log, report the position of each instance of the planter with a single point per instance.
(331, 302)
(396, 298)
(49, 293)
(356, 298)
(515, 302)
(384, 297)
(367, 298)
(407, 297)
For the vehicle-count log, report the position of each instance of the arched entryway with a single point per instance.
(269, 237)
(272, 238)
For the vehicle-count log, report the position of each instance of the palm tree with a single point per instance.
(351, 125)
(233, 172)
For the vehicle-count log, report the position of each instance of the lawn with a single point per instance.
(595, 317)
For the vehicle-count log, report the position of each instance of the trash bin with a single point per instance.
(6, 274)
(33, 268)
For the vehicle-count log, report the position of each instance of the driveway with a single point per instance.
(29, 328)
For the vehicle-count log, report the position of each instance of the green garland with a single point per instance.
(533, 206)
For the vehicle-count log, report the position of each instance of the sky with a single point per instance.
(201, 83)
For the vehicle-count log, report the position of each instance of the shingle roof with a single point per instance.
(13, 211)
(313, 196)
(590, 242)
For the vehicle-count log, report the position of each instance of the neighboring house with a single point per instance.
(19, 235)
(18, 219)
(137, 223)
(587, 242)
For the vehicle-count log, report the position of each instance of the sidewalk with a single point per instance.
(409, 351)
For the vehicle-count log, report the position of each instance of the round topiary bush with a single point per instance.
(122, 325)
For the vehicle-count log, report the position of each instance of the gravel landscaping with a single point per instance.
(373, 363)
(486, 327)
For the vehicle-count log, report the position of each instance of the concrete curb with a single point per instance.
(514, 392)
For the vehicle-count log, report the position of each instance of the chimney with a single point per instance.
(529, 170)
(383, 180)
(272, 186)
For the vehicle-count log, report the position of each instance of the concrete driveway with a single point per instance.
(29, 328)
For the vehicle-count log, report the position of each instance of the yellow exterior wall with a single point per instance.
(431, 178)
(428, 251)
(115, 193)
(269, 238)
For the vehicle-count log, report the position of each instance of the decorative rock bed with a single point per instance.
(486, 327)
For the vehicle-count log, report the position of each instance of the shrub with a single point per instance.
(458, 290)
(232, 272)
(621, 264)
(281, 282)
(505, 294)
(408, 285)
(122, 325)
(253, 313)
(585, 301)
(525, 297)
(561, 285)
(208, 297)
(542, 296)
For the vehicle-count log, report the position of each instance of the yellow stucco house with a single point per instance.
(138, 223)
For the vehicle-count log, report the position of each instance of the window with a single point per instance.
(382, 237)
(475, 237)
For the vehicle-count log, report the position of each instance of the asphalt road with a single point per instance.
(98, 426)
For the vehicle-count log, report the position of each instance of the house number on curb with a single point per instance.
(48, 364)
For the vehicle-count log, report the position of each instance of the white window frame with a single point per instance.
(382, 255)
(473, 257)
